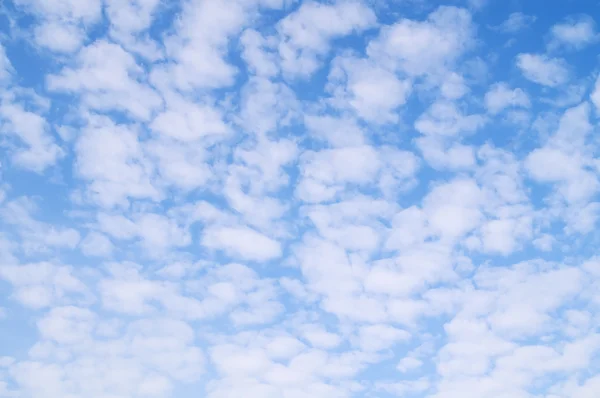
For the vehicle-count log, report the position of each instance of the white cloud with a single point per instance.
(146, 359)
(407, 364)
(266, 105)
(595, 95)
(62, 23)
(446, 119)
(544, 242)
(326, 172)
(294, 199)
(58, 37)
(128, 21)
(32, 130)
(372, 92)
(576, 33)
(6, 67)
(197, 47)
(256, 53)
(502, 235)
(87, 11)
(96, 244)
(516, 22)
(39, 285)
(337, 132)
(500, 97)
(157, 233)
(441, 154)
(67, 325)
(187, 121)
(37, 237)
(242, 242)
(111, 158)
(454, 86)
(380, 337)
(107, 78)
(417, 47)
(305, 34)
(563, 160)
(550, 165)
(320, 338)
(541, 69)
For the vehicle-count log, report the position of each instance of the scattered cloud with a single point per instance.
(574, 33)
(541, 69)
(516, 22)
(292, 199)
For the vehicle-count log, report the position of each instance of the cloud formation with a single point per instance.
(290, 199)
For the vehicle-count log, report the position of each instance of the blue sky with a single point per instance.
(293, 199)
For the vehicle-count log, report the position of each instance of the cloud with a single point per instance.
(575, 33)
(516, 22)
(96, 244)
(37, 150)
(501, 97)
(112, 160)
(105, 76)
(291, 199)
(419, 47)
(562, 161)
(595, 96)
(37, 237)
(372, 92)
(61, 25)
(305, 34)
(446, 119)
(541, 69)
(241, 241)
(6, 67)
(39, 285)
(59, 38)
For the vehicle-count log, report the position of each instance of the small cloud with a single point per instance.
(501, 96)
(515, 22)
(574, 33)
(541, 69)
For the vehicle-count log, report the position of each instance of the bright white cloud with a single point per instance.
(106, 78)
(541, 69)
(38, 149)
(305, 34)
(244, 242)
(372, 92)
(500, 97)
(576, 33)
(289, 199)
(418, 47)
(446, 119)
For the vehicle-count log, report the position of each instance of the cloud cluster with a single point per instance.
(282, 199)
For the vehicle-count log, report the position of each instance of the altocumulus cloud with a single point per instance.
(299, 199)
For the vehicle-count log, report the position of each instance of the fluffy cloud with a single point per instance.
(306, 33)
(515, 22)
(106, 76)
(501, 97)
(297, 199)
(541, 69)
(575, 33)
(38, 149)
(241, 241)
(418, 47)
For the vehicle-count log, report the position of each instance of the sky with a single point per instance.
(299, 199)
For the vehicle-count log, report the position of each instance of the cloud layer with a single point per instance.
(293, 199)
